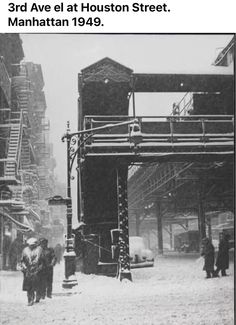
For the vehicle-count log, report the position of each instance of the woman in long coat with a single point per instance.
(208, 252)
(31, 264)
(222, 261)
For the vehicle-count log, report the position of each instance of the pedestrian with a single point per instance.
(222, 261)
(49, 261)
(175, 109)
(6, 249)
(58, 252)
(15, 252)
(31, 265)
(208, 252)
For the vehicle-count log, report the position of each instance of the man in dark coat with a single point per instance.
(31, 265)
(222, 261)
(15, 252)
(208, 252)
(6, 250)
(49, 261)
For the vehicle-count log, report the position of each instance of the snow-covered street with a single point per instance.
(175, 291)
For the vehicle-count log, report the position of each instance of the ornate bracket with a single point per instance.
(76, 140)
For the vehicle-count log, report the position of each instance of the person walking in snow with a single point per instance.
(49, 261)
(31, 265)
(208, 252)
(222, 261)
(15, 252)
(58, 252)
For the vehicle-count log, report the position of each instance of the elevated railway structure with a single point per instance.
(160, 138)
(109, 141)
(185, 193)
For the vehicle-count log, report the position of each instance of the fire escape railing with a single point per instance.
(14, 145)
(5, 82)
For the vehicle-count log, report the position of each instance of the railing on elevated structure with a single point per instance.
(184, 106)
(158, 136)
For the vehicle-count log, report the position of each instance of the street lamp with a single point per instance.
(75, 142)
(69, 253)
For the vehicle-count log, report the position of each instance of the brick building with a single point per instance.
(26, 157)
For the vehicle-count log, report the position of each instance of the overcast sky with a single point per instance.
(62, 56)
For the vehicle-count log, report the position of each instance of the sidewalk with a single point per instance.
(11, 285)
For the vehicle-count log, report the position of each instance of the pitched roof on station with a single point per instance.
(106, 61)
(106, 70)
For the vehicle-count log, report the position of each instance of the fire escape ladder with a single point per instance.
(25, 155)
(14, 145)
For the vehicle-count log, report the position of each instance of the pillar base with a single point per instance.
(125, 276)
(70, 279)
(69, 283)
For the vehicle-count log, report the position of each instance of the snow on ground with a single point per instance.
(175, 291)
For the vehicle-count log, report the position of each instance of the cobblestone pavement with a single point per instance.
(175, 291)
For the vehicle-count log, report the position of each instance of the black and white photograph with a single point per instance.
(117, 179)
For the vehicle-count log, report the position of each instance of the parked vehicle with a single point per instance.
(187, 241)
(230, 232)
(140, 256)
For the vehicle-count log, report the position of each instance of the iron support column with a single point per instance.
(171, 236)
(159, 228)
(209, 230)
(124, 258)
(137, 223)
(201, 212)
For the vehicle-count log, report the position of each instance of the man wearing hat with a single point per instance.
(49, 261)
(222, 261)
(31, 265)
(208, 252)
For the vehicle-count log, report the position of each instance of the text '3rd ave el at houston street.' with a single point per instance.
(83, 8)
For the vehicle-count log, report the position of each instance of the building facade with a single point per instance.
(26, 163)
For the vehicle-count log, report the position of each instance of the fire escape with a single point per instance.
(12, 207)
(22, 92)
(14, 146)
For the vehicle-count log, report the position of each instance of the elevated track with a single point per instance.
(159, 138)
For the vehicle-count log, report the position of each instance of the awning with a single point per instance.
(22, 226)
(12, 203)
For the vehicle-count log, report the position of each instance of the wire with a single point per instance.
(103, 248)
